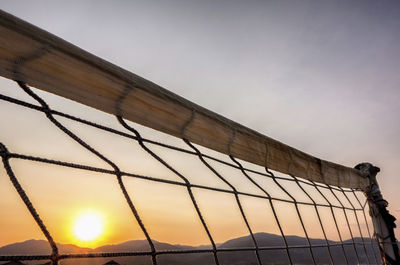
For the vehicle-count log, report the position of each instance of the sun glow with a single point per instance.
(88, 226)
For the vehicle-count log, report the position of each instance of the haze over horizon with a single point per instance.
(272, 256)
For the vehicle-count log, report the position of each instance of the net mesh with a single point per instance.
(289, 199)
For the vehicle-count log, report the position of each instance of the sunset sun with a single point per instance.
(88, 226)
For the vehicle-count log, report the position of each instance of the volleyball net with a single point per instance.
(246, 167)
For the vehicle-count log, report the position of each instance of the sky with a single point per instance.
(321, 76)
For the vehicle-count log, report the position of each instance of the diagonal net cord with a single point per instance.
(271, 204)
(335, 221)
(348, 225)
(366, 223)
(199, 154)
(187, 183)
(319, 219)
(5, 157)
(92, 150)
(358, 225)
(235, 192)
(298, 214)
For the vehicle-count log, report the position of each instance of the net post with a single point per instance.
(383, 222)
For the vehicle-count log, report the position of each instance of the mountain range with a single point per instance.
(298, 255)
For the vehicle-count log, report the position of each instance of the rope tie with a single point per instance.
(231, 140)
(187, 123)
(120, 100)
(29, 57)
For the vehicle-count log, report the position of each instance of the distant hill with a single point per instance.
(38, 247)
(299, 255)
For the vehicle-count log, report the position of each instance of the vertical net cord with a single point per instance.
(239, 203)
(347, 222)
(188, 184)
(235, 194)
(148, 238)
(297, 211)
(49, 115)
(366, 224)
(281, 230)
(334, 220)
(319, 218)
(200, 155)
(274, 211)
(269, 199)
(5, 157)
(358, 225)
(201, 158)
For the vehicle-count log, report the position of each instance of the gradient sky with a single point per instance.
(321, 76)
